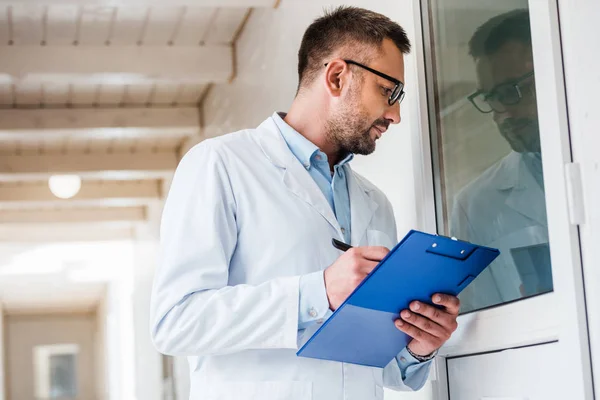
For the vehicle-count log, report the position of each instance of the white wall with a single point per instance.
(120, 352)
(2, 386)
(148, 361)
(100, 352)
(25, 332)
(267, 81)
(181, 375)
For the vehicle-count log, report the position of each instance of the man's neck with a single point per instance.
(307, 120)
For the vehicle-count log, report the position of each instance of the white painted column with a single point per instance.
(148, 361)
(119, 339)
(100, 343)
(2, 388)
(181, 375)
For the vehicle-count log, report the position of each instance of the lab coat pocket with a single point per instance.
(379, 238)
(267, 390)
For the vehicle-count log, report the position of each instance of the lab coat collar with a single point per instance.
(526, 196)
(301, 184)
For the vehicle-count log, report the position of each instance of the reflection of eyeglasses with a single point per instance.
(397, 93)
(504, 94)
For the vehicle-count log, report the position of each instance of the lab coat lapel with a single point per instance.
(362, 206)
(526, 196)
(293, 174)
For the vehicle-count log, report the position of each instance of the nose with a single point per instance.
(500, 117)
(392, 114)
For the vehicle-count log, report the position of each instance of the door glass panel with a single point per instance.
(63, 376)
(486, 144)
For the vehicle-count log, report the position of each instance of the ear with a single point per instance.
(337, 77)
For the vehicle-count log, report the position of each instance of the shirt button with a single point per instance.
(307, 166)
(318, 157)
(320, 321)
(402, 359)
(343, 230)
(312, 312)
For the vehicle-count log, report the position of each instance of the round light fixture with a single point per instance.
(64, 186)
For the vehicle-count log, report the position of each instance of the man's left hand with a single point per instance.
(429, 326)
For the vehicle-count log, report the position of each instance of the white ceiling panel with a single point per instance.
(29, 93)
(194, 26)
(61, 25)
(95, 25)
(84, 93)
(226, 23)
(190, 94)
(151, 3)
(129, 26)
(4, 25)
(8, 147)
(56, 93)
(162, 25)
(99, 56)
(27, 24)
(6, 94)
(138, 94)
(110, 94)
(166, 94)
(75, 145)
(123, 65)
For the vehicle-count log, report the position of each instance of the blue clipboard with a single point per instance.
(362, 331)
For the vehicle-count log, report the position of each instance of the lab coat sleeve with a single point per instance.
(405, 373)
(193, 310)
(314, 305)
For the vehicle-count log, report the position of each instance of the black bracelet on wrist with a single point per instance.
(422, 358)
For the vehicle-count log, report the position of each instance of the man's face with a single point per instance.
(364, 114)
(518, 123)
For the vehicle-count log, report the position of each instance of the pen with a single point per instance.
(340, 245)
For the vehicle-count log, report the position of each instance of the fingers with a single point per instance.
(426, 325)
(367, 266)
(451, 303)
(374, 253)
(418, 334)
(439, 316)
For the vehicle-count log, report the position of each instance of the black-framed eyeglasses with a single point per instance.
(397, 93)
(502, 95)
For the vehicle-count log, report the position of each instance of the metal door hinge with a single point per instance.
(575, 193)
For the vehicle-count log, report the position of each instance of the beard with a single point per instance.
(351, 128)
(522, 134)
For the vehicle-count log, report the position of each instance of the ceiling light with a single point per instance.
(64, 186)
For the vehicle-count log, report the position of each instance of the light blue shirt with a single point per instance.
(314, 306)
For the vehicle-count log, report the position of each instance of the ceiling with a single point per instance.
(109, 90)
(61, 276)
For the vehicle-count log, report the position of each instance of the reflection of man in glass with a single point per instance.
(505, 207)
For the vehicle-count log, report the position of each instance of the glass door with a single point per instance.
(494, 148)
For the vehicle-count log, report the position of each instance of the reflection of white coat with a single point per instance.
(242, 222)
(503, 208)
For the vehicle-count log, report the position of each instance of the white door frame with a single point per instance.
(579, 27)
(558, 316)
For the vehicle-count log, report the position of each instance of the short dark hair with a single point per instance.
(344, 26)
(501, 29)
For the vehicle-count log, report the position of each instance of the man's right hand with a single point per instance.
(348, 271)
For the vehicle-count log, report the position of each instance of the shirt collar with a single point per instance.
(302, 148)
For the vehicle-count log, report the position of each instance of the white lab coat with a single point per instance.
(503, 208)
(242, 222)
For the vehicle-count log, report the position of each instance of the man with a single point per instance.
(505, 207)
(248, 272)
